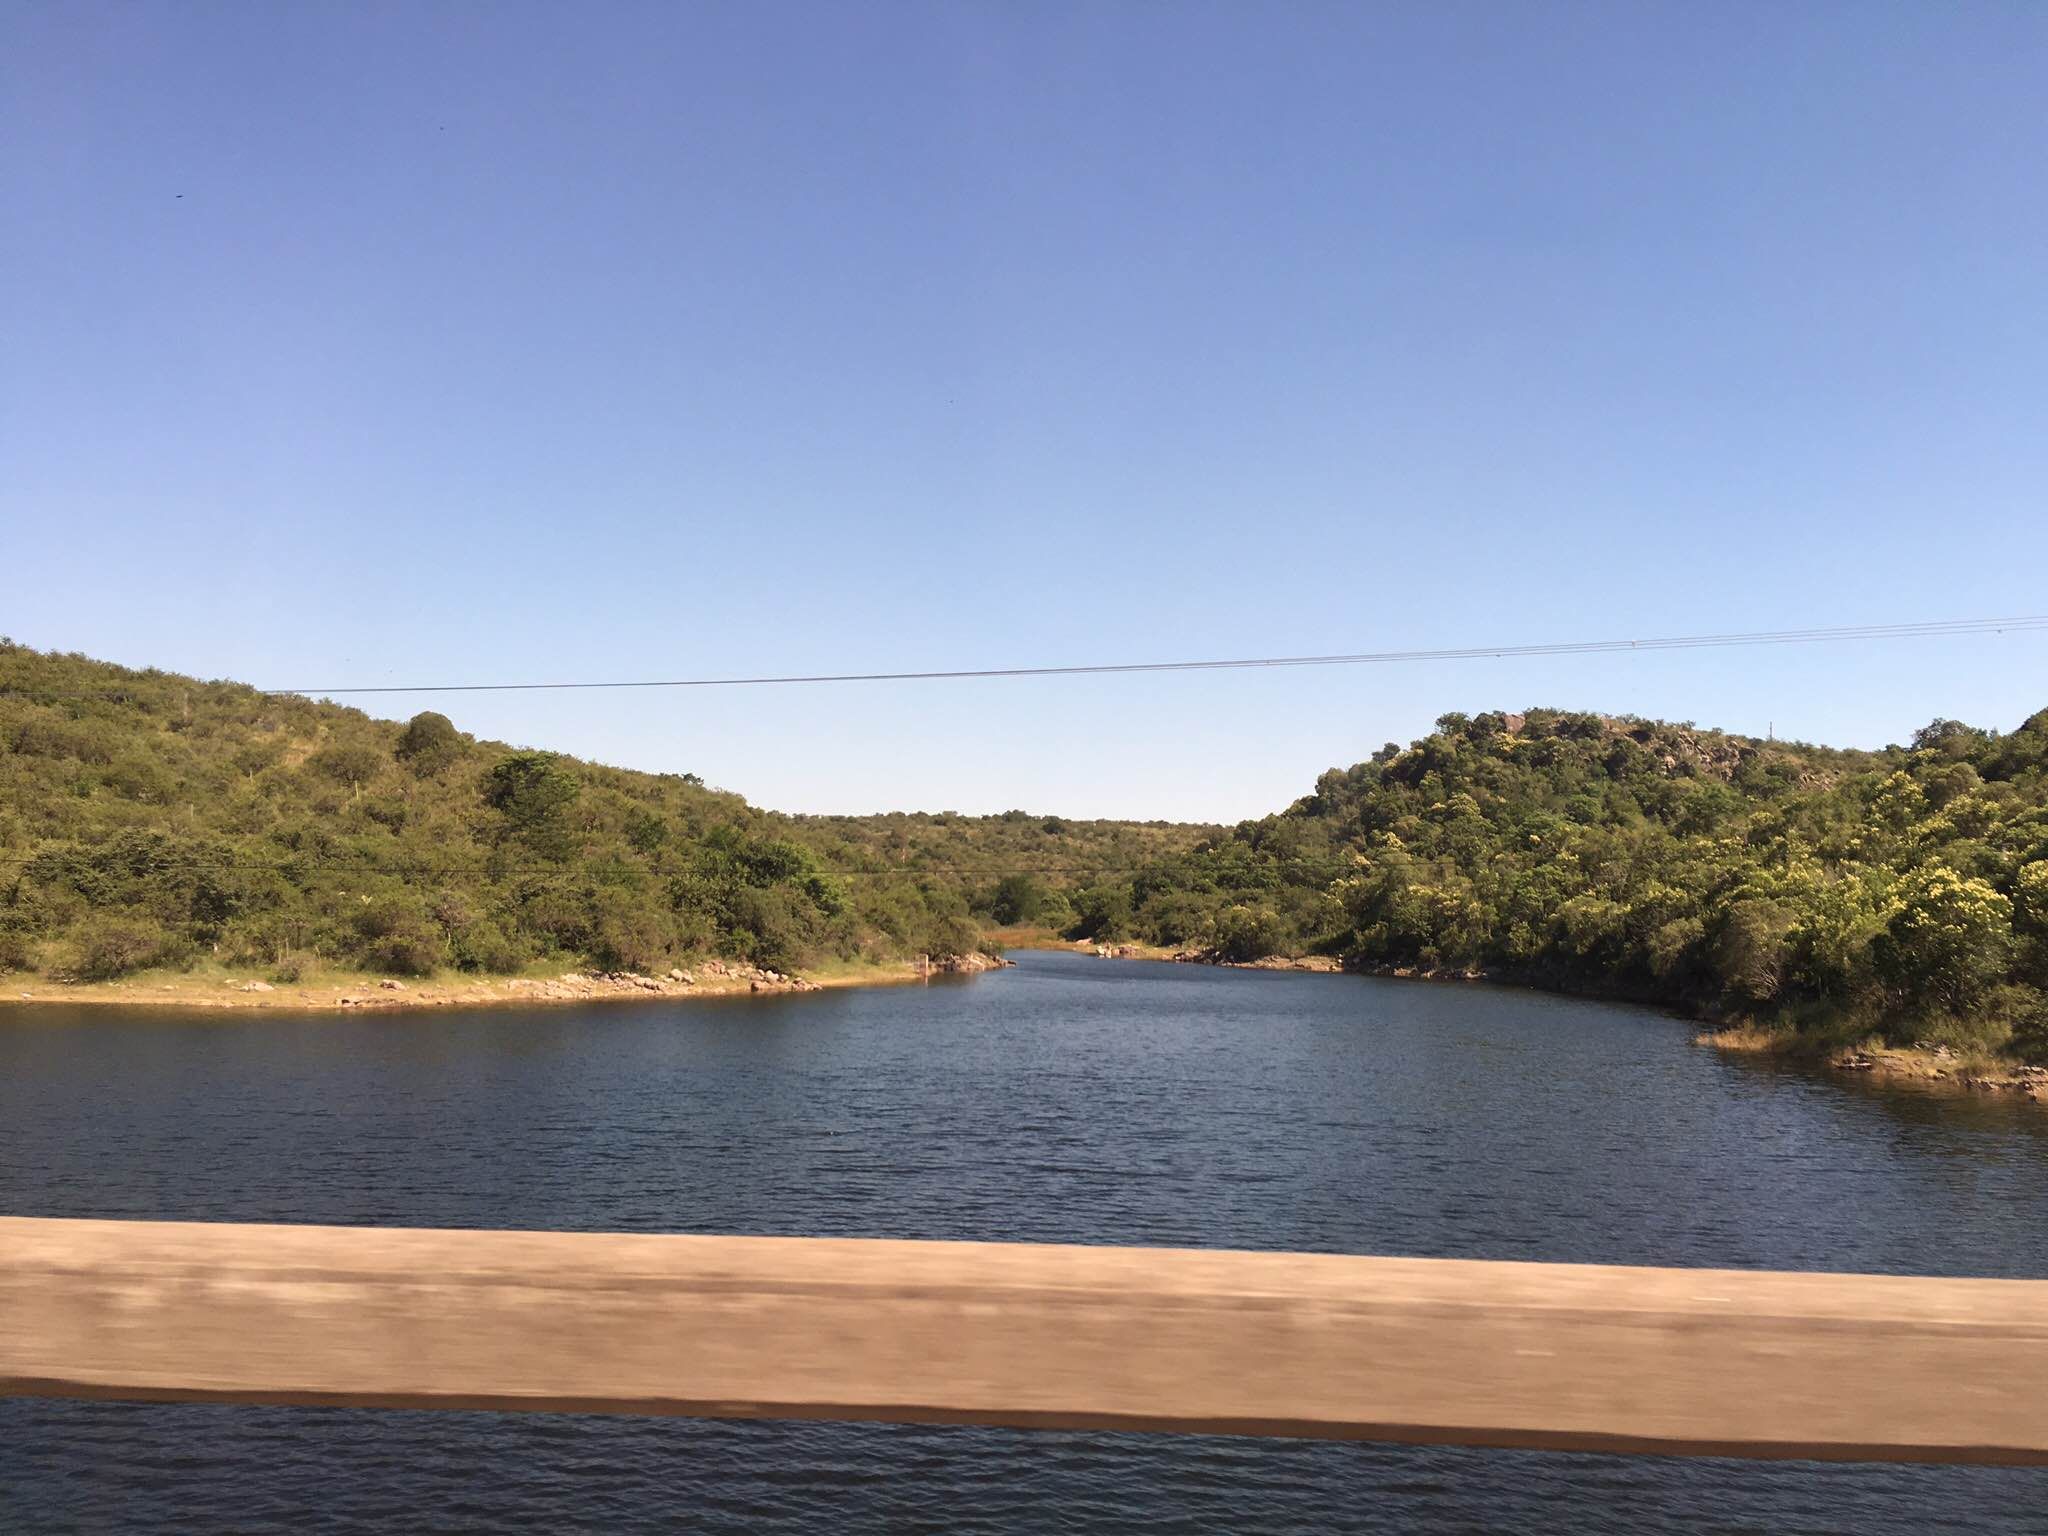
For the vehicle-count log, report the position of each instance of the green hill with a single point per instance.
(1902, 892)
(149, 820)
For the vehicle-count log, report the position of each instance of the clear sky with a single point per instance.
(362, 343)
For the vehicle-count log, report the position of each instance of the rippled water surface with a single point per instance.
(1071, 1100)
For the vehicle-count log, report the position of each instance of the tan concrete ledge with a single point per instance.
(1575, 1357)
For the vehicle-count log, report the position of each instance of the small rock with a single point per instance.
(391, 986)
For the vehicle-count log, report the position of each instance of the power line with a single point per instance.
(1929, 630)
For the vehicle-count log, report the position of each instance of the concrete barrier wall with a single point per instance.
(1564, 1356)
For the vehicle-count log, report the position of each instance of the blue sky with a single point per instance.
(356, 343)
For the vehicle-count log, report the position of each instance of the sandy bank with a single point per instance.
(350, 990)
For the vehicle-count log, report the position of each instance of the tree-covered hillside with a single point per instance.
(150, 820)
(1903, 892)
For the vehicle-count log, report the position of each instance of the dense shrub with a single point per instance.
(109, 947)
(770, 926)
(2025, 1013)
(483, 946)
(1248, 933)
(410, 952)
(18, 951)
(629, 935)
(398, 935)
(351, 763)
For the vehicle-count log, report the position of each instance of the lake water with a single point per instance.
(1068, 1100)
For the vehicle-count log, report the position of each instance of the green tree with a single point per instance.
(1019, 898)
(1946, 940)
(347, 762)
(2030, 918)
(430, 743)
(645, 831)
(1100, 912)
(1749, 953)
(1248, 933)
(532, 793)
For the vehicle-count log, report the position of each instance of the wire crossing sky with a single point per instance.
(488, 344)
(1939, 628)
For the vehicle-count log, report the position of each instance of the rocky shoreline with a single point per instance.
(1938, 1068)
(718, 976)
(1319, 964)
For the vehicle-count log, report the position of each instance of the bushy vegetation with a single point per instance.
(1902, 892)
(149, 820)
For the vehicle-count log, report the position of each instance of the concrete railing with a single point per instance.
(1566, 1356)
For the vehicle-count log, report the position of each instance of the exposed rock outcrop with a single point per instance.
(675, 983)
(969, 964)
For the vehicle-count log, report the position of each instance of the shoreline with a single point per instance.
(334, 992)
(1937, 1070)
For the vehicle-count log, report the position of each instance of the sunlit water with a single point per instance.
(1069, 1100)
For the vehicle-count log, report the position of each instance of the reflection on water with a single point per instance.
(1068, 1100)
(1939, 1104)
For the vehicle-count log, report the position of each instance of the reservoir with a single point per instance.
(1068, 1100)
